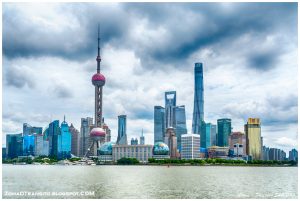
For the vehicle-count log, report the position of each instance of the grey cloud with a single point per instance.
(215, 23)
(271, 111)
(18, 76)
(62, 91)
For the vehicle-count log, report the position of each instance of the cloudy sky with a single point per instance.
(249, 53)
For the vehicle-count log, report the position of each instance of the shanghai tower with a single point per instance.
(198, 113)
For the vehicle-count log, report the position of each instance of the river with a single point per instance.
(55, 181)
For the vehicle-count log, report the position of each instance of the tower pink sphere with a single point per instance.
(98, 80)
(97, 132)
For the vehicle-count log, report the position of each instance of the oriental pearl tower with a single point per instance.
(97, 134)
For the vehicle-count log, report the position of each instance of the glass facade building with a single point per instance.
(206, 136)
(29, 130)
(122, 136)
(170, 103)
(213, 135)
(85, 128)
(14, 145)
(224, 130)
(28, 144)
(293, 155)
(159, 123)
(180, 124)
(64, 141)
(53, 133)
(198, 112)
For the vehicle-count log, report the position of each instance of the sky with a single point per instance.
(248, 50)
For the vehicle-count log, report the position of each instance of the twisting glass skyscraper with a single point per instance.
(198, 113)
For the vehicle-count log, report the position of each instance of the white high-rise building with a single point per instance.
(190, 146)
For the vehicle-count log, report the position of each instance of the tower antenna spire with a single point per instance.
(98, 56)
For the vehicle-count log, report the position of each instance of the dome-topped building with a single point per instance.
(106, 148)
(160, 148)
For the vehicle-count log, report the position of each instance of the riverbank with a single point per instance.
(153, 162)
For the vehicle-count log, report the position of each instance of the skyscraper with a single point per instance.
(134, 141)
(28, 144)
(205, 138)
(64, 141)
(198, 113)
(224, 130)
(213, 135)
(53, 132)
(180, 124)
(293, 155)
(253, 138)
(171, 140)
(159, 124)
(85, 128)
(29, 130)
(237, 143)
(142, 138)
(170, 103)
(14, 145)
(75, 140)
(122, 136)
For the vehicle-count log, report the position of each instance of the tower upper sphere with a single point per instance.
(98, 80)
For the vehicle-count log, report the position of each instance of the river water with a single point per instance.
(54, 181)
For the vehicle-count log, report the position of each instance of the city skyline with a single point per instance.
(244, 95)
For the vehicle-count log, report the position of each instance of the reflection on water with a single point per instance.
(148, 182)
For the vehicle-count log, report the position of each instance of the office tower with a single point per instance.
(64, 141)
(171, 140)
(134, 141)
(170, 103)
(159, 124)
(29, 130)
(45, 147)
(265, 153)
(53, 132)
(261, 147)
(224, 130)
(213, 135)
(293, 155)
(180, 124)
(237, 143)
(3, 152)
(85, 128)
(75, 140)
(97, 134)
(28, 144)
(198, 112)
(14, 145)
(38, 144)
(253, 138)
(205, 137)
(122, 136)
(190, 146)
(142, 138)
(107, 131)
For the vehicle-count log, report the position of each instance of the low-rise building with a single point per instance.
(141, 152)
(217, 152)
(190, 146)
